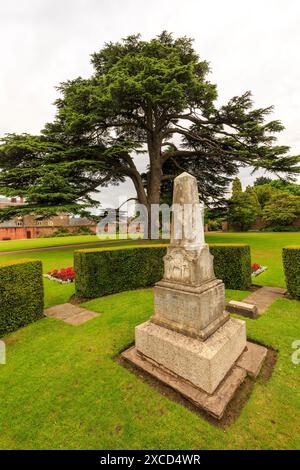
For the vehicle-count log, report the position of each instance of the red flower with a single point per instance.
(255, 266)
(65, 274)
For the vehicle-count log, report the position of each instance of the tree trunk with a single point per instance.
(154, 182)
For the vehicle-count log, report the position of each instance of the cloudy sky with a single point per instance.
(250, 46)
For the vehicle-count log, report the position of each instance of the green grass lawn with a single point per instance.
(266, 249)
(62, 388)
(56, 293)
(11, 245)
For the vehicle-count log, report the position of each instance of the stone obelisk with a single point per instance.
(190, 332)
(189, 299)
(191, 342)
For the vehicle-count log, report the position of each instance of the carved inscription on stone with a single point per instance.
(179, 266)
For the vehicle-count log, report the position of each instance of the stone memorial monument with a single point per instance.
(191, 343)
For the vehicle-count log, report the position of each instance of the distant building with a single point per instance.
(13, 201)
(29, 226)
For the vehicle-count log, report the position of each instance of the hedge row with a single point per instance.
(291, 264)
(21, 294)
(99, 272)
(106, 271)
(232, 264)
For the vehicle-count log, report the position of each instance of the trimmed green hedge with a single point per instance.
(291, 265)
(99, 272)
(21, 294)
(232, 264)
(106, 271)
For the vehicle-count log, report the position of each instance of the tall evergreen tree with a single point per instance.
(150, 97)
(236, 187)
(262, 180)
(243, 206)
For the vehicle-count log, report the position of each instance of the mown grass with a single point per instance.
(56, 293)
(11, 245)
(266, 249)
(63, 389)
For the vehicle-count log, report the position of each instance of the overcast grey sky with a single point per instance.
(250, 46)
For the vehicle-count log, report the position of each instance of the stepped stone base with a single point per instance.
(252, 359)
(250, 362)
(203, 363)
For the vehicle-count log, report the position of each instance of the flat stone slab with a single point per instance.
(242, 308)
(249, 363)
(71, 314)
(264, 297)
(252, 359)
(81, 317)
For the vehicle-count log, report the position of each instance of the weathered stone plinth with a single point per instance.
(194, 311)
(203, 363)
(190, 342)
(189, 299)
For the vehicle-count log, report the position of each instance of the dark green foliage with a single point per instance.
(21, 294)
(264, 193)
(262, 180)
(143, 96)
(52, 176)
(280, 228)
(82, 230)
(232, 264)
(291, 265)
(100, 272)
(286, 186)
(215, 216)
(64, 232)
(106, 271)
(243, 207)
(236, 187)
(282, 209)
(276, 201)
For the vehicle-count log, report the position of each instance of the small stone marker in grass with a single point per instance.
(264, 297)
(259, 271)
(69, 313)
(190, 343)
(242, 308)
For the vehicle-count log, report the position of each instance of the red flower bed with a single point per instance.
(64, 274)
(255, 266)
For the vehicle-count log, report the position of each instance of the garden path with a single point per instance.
(264, 297)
